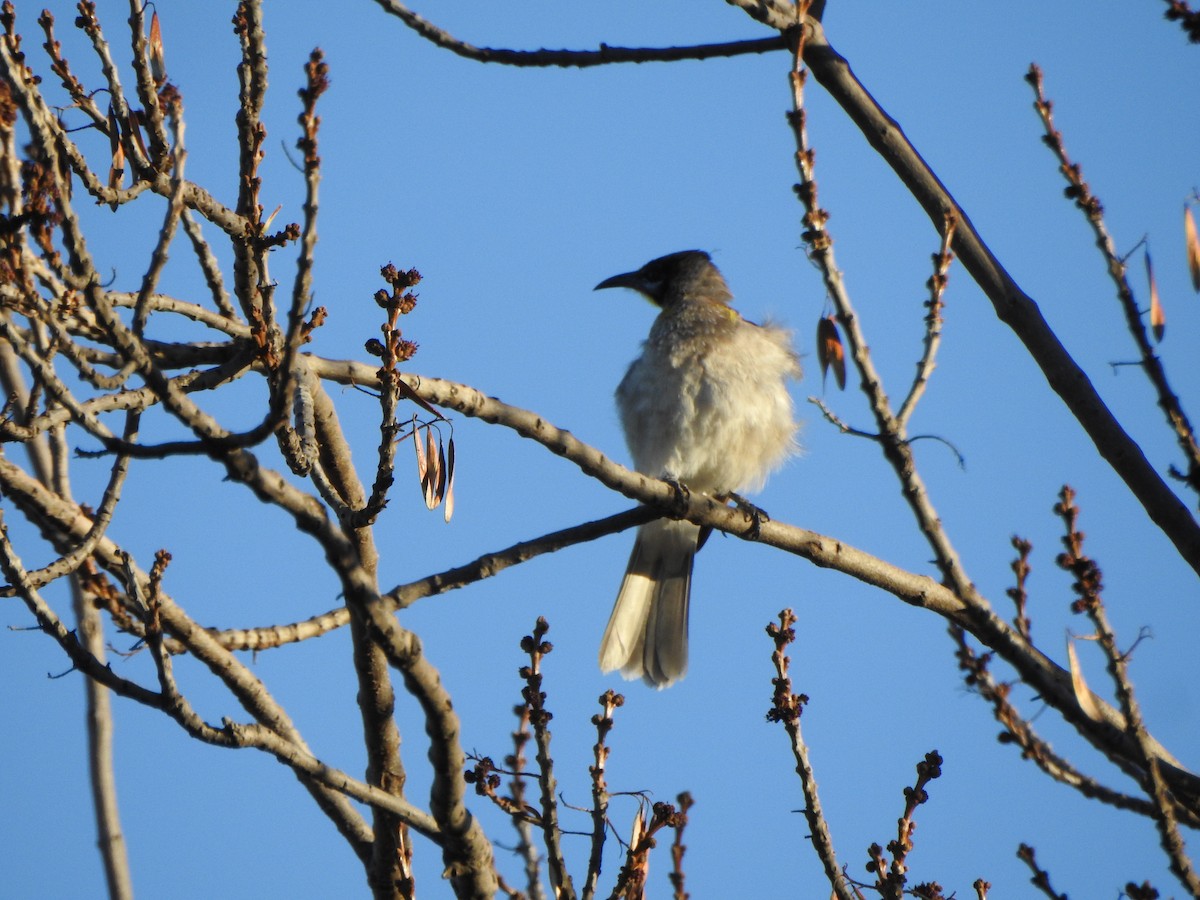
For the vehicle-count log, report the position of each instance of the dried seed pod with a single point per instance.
(830, 352)
(1193, 247)
(1158, 318)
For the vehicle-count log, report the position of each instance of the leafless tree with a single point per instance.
(79, 367)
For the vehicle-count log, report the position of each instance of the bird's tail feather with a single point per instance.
(647, 634)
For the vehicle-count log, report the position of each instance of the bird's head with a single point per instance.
(688, 274)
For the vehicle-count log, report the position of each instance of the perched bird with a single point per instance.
(706, 405)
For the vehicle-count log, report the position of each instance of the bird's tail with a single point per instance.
(647, 634)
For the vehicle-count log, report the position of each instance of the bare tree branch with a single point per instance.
(787, 707)
(1014, 307)
(82, 345)
(1049, 679)
(572, 58)
(1079, 190)
(1089, 602)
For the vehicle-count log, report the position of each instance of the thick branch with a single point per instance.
(1042, 673)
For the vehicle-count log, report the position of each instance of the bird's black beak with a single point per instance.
(633, 280)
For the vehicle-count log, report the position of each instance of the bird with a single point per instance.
(706, 407)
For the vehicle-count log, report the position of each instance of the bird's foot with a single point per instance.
(756, 514)
(682, 499)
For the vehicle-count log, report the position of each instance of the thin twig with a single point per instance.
(933, 322)
(1041, 878)
(393, 350)
(50, 623)
(81, 97)
(1020, 731)
(1080, 192)
(891, 878)
(678, 848)
(101, 768)
(1088, 588)
(210, 267)
(610, 701)
(1017, 593)
(539, 719)
(526, 848)
(787, 707)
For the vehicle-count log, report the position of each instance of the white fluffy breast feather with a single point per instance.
(707, 401)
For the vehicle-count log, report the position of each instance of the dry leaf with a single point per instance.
(639, 826)
(449, 480)
(1083, 696)
(638, 859)
(158, 65)
(64, 174)
(1158, 319)
(136, 120)
(412, 395)
(114, 132)
(830, 352)
(116, 172)
(1193, 247)
(442, 473)
(422, 462)
(434, 473)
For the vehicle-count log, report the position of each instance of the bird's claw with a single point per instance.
(756, 514)
(682, 499)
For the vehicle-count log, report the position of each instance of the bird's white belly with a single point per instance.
(717, 421)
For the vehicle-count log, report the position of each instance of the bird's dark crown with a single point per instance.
(676, 276)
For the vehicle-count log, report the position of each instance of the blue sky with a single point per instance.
(514, 192)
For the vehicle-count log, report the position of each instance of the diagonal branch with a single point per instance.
(1014, 307)
(1043, 674)
(267, 637)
